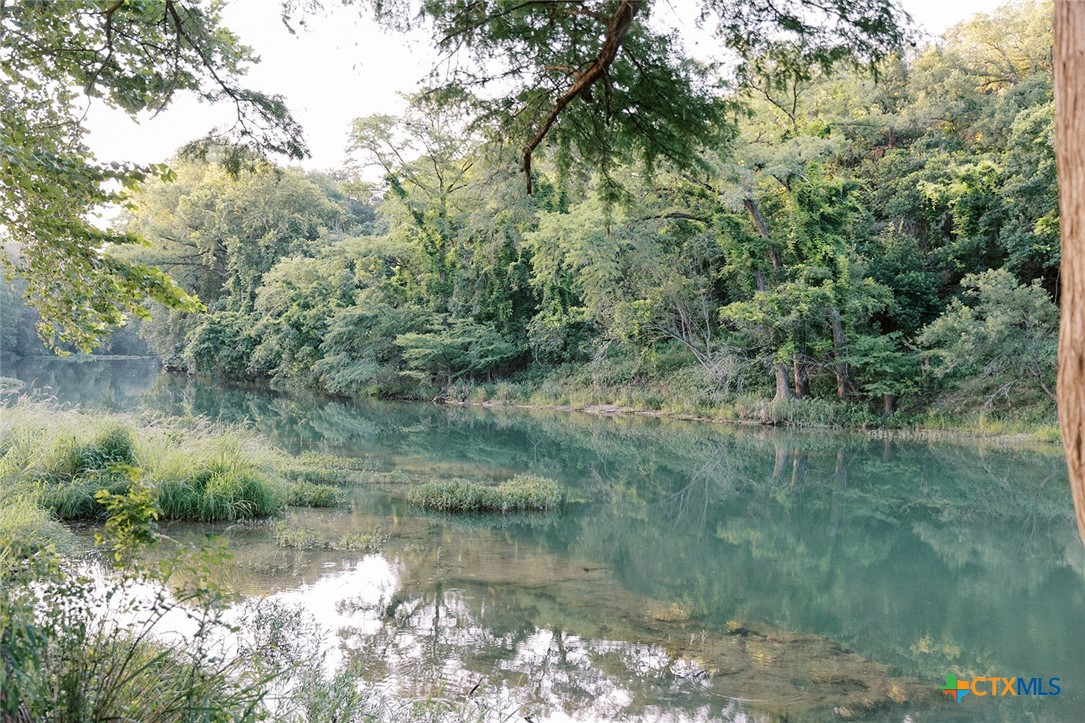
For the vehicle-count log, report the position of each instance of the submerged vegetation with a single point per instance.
(302, 538)
(522, 493)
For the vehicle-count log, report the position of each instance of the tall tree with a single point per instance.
(600, 83)
(57, 55)
(1070, 154)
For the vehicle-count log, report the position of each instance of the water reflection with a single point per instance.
(924, 558)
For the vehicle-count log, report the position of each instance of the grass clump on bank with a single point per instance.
(58, 460)
(522, 493)
(26, 528)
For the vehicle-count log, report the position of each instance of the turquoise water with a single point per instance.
(879, 563)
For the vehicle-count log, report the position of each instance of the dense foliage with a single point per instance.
(886, 243)
(858, 240)
(55, 57)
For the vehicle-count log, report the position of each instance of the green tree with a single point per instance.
(218, 233)
(601, 85)
(453, 349)
(54, 57)
(1005, 341)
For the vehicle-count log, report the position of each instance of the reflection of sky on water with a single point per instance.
(432, 648)
(369, 582)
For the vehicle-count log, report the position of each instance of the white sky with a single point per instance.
(339, 68)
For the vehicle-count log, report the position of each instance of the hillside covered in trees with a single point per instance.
(880, 246)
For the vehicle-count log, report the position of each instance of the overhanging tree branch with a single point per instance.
(618, 26)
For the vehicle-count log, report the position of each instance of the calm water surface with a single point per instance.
(700, 572)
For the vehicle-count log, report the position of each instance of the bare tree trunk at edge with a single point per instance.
(783, 391)
(1070, 154)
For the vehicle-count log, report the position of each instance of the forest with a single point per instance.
(857, 247)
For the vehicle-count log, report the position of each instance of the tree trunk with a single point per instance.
(887, 404)
(1070, 155)
(783, 391)
(798, 371)
(839, 365)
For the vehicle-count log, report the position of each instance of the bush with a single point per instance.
(521, 493)
(222, 345)
(1001, 342)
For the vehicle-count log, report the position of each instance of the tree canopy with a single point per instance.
(857, 241)
(606, 81)
(55, 58)
(807, 226)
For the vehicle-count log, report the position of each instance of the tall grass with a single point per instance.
(26, 528)
(520, 494)
(198, 471)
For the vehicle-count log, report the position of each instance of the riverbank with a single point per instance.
(66, 465)
(614, 388)
(1031, 422)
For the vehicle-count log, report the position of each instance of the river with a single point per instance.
(697, 572)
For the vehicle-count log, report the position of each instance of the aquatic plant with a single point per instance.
(521, 493)
(307, 494)
(323, 460)
(302, 538)
(219, 493)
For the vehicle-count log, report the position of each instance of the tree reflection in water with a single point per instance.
(686, 554)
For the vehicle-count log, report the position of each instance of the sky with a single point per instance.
(339, 68)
